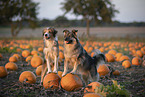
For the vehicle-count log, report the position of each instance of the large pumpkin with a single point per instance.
(71, 82)
(136, 61)
(3, 72)
(51, 80)
(27, 76)
(92, 86)
(103, 69)
(13, 59)
(11, 66)
(36, 61)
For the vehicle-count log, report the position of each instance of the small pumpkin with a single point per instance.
(36, 61)
(13, 59)
(11, 66)
(92, 95)
(126, 64)
(60, 74)
(71, 82)
(40, 49)
(61, 55)
(139, 53)
(113, 52)
(109, 57)
(39, 70)
(116, 72)
(92, 86)
(136, 61)
(28, 59)
(27, 76)
(33, 52)
(25, 53)
(1, 56)
(117, 56)
(124, 57)
(51, 80)
(3, 72)
(18, 56)
(103, 69)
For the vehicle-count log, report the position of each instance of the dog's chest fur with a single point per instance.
(51, 48)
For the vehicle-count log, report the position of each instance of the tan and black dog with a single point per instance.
(51, 50)
(82, 62)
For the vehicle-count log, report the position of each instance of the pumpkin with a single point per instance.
(18, 50)
(13, 59)
(90, 49)
(61, 55)
(33, 52)
(113, 52)
(60, 74)
(25, 53)
(3, 72)
(27, 76)
(92, 86)
(117, 56)
(126, 64)
(103, 69)
(116, 72)
(11, 66)
(92, 95)
(51, 80)
(140, 53)
(39, 70)
(136, 61)
(1, 56)
(71, 82)
(18, 56)
(124, 57)
(36, 61)
(109, 57)
(40, 49)
(28, 59)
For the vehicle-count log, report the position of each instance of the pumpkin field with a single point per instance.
(122, 75)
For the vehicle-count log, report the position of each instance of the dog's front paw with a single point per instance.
(49, 72)
(54, 71)
(63, 74)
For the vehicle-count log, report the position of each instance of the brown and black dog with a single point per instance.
(82, 62)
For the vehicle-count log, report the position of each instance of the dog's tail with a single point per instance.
(98, 57)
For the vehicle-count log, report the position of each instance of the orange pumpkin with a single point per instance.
(27, 76)
(33, 52)
(126, 64)
(40, 49)
(11, 66)
(71, 82)
(92, 86)
(117, 56)
(61, 55)
(140, 53)
(60, 74)
(1, 56)
(36, 61)
(51, 80)
(25, 53)
(18, 56)
(28, 59)
(113, 52)
(124, 57)
(109, 57)
(13, 59)
(39, 70)
(18, 50)
(92, 95)
(3, 72)
(136, 61)
(116, 72)
(103, 69)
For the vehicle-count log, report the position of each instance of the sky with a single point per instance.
(129, 10)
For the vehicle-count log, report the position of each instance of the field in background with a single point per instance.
(101, 32)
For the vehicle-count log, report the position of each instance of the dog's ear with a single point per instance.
(43, 32)
(75, 32)
(65, 31)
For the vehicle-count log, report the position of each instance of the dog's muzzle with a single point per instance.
(67, 40)
(46, 35)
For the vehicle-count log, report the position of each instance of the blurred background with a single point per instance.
(97, 18)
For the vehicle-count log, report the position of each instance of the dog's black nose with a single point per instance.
(45, 34)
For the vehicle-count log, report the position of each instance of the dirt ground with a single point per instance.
(132, 78)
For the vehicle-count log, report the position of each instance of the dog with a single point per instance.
(51, 50)
(75, 54)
